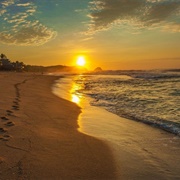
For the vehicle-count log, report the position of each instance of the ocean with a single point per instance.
(151, 97)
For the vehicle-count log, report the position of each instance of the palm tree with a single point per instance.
(3, 56)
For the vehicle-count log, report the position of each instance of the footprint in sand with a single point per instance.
(2, 130)
(4, 118)
(15, 107)
(10, 124)
(4, 136)
(9, 113)
(18, 99)
(16, 102)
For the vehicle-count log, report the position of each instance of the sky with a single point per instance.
(112, 34)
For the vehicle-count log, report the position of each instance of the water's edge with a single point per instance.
(66, 94)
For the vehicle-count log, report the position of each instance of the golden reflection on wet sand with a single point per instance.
(75, 99)
(76, 96)
(124, 138)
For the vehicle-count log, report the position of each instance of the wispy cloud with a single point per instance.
(138, 13)
(19, 27)
(7, 3)
(24, 4)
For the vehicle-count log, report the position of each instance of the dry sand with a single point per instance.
(39, 137)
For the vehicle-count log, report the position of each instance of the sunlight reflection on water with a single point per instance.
(123, 136)
(76, 96)
(75, 99)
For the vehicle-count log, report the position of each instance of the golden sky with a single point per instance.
(113, 34)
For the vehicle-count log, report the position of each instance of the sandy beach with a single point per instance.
(39, 139)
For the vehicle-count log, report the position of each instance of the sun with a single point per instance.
(81, 61)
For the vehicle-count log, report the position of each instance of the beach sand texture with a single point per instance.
(39, 137)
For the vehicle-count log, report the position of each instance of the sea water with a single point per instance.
(144, 96)
(151, 97)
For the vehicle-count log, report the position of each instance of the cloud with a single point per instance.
(24, 4)
(2, 11)
(173, 27)
(138, 13)
(7, 3)
(18, 25)
(32, 35)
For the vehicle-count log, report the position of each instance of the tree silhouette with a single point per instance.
(3, 56)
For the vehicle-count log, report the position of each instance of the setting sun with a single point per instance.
(81, 61)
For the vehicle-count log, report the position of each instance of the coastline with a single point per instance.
(42, 141)
(140, 151)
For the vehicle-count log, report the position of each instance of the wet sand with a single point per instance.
(140, 151)
(39, 137)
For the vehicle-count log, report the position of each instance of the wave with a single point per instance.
(147, 74)
(149, 97)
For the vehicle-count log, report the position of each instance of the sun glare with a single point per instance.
(81, 61)
(75, 99)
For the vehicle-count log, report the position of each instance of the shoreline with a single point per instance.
(140, 151)
(166, 125)
(43, 142)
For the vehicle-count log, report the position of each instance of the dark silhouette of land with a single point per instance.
(8, 65)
